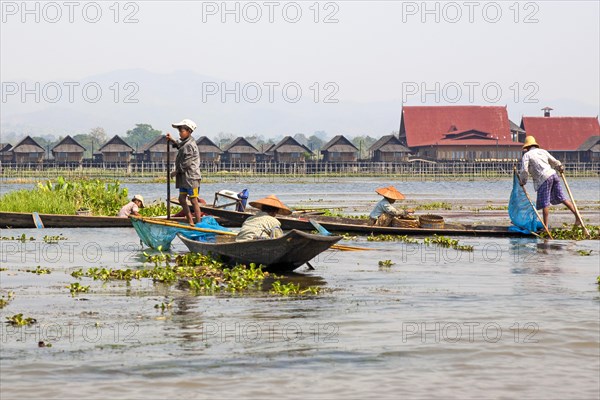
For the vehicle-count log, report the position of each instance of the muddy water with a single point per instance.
(515, 318)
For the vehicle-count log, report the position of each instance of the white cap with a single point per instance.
(186, 122)
(140, 198)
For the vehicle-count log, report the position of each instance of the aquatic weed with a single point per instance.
(435, 239)
(5, 301)
(447, 242)
(386, 263)
(53, 239)
(168, 305)
(292, 289)
(574, 233)
(23, 238)
(66, 197)
(39, 270)
(77, 287)
(437, 205)
(18, 320)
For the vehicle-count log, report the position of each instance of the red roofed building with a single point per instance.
(567, 138)
(473, 133)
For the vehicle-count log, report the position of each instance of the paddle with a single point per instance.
(180, 226)
(168, 181)
(37, 220)
(319, 227)
(587, 233)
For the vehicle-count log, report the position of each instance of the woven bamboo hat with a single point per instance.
(530, 141)
(271, 201)
(390, 192)
(140, 198)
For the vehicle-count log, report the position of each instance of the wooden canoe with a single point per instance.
(283, 254)
(361, 227)
(25, 220)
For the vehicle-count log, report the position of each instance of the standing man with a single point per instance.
(542, 167)
(187, 168)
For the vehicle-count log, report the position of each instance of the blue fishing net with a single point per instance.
(160, 236)
(521, 210)
(207, 222)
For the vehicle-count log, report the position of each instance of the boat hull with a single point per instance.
(283, 254)
(25, 220)
(360, 227)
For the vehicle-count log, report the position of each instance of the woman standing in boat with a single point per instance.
(187, 168)
(384, 212)
(263, 225)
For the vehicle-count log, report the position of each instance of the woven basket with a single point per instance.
(405, 223)
(431, 221)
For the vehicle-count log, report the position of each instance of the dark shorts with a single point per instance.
(191, 192)
(550, 193)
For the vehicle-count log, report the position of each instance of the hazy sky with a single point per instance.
(374, 50)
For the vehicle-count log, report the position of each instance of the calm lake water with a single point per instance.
(295, 190)
(517, 318)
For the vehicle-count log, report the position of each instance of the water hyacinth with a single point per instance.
(19, 320)
(441, 241)
(66, 197)
(202, 274)
(574, 233)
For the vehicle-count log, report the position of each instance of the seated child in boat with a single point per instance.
(384, 212)
(263, 225)
(187, 168)
(133, 207)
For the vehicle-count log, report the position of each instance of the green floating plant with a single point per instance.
(77, 287)
(18, 320)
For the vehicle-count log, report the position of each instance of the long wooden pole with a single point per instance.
(228, 233)
(186, 227)
(532, 206)
(537, 213)
(168, 180)
(587, 233)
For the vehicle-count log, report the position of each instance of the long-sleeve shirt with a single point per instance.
(187, 164)
(382, 207)
(128, 209)
(539, 164)
(259, 226)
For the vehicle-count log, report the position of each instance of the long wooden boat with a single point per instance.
(361, 227)
(283, 254)
(235, 219)
(25, 220)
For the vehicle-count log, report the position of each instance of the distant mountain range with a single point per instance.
(165, 98)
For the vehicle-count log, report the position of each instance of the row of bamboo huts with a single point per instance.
(448, 133)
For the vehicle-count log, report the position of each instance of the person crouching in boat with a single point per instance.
(133, 207)
(384, 212)
(263, 225)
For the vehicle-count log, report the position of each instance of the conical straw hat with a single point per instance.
(530, 141)
(271, 201)
(390, 192)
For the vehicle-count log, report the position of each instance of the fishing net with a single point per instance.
(521, 210)
(160, 236)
